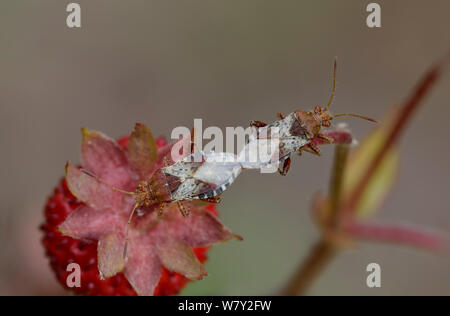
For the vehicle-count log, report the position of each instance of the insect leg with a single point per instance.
(286, 165)
(161, 209)
(215, 200)
(257, 124)
(310, 148)
(314, 148)
(128, 227)
(192, 140)
(327, 139)
(182, 209)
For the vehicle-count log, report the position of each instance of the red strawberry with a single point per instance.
(63, 250)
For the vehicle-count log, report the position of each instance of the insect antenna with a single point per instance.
(334, 86)
(106, 183)
(128, 228)
(358, 116)
(332, 98)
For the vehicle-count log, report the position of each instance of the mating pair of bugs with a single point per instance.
(190, 180)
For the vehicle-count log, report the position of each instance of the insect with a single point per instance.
(199, 176)
(297, 129)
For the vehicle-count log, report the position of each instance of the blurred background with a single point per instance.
(164, 63)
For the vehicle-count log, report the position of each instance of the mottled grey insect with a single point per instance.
(297, 129)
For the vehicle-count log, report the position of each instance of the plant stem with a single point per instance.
(325, 249)
(340, 160)
(318, 258)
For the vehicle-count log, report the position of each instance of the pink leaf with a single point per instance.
(179, 257)
(88, 189)
(88, 223)
(200, 228)
(110, 254)
(171, 239)
(143, 267)
(103, 157)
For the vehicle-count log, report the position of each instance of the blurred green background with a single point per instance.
(164, 63)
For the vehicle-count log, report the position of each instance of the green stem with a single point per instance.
(325, 249)
(336, 183)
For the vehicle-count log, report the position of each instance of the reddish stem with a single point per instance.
(403, 116)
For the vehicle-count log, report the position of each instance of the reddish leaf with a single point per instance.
(88, 189)
(143, 267)
(88, 223)
(200, 228)
(110, 254)
(103, 157)
(179, 257)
